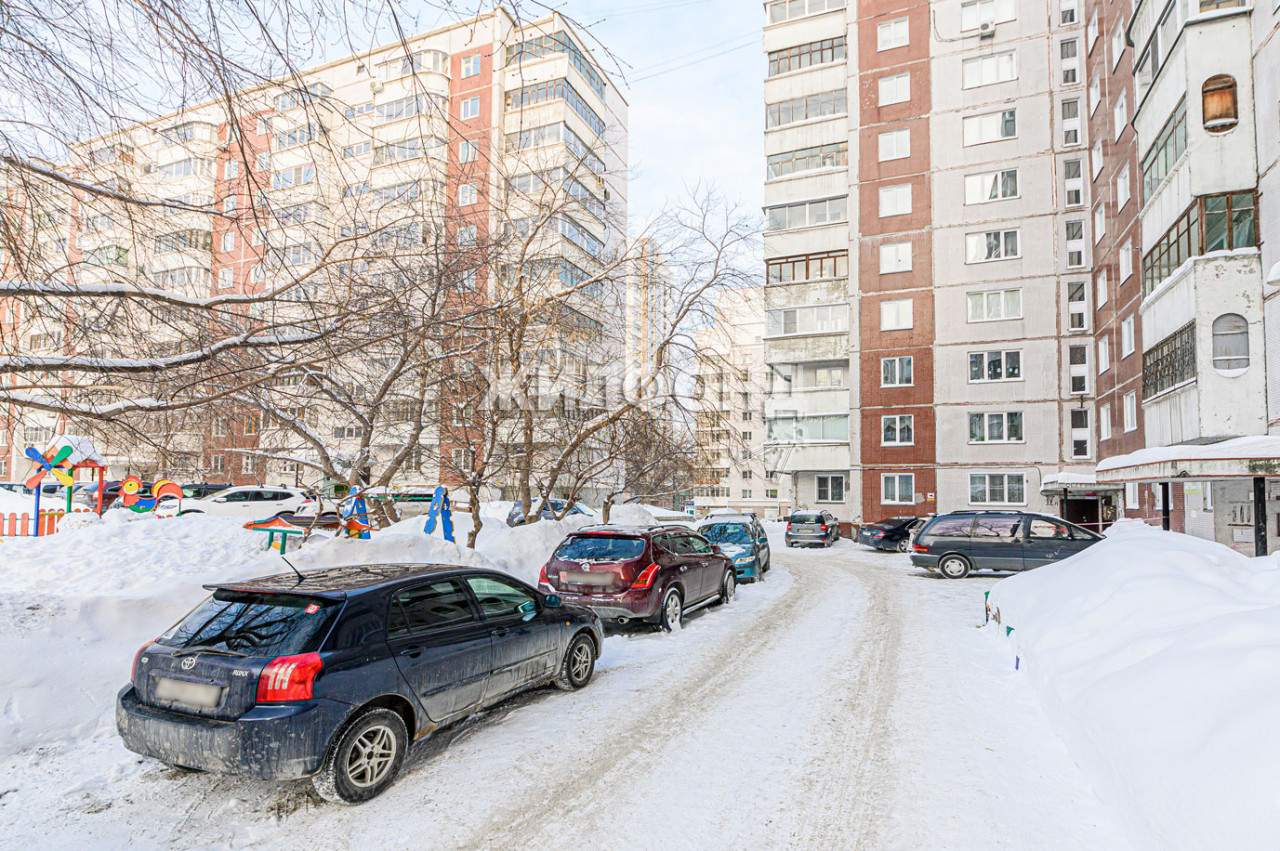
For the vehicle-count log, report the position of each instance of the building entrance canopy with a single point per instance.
(1207, 458)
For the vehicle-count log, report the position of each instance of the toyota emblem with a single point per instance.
(586, 567)
(188, 663)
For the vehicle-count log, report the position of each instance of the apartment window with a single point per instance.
(1091, 32)
(1211, 223)
(1071, 122)
(891, 34)
(297, 176)
(220, 427)
(1131, 411)
(896, 371)
(999, 427)
(992, 245)
(1095, 159)
(1104, 353)
(897, 489)
(1069, 51)
(991, 186)
(1080, 433)
(359, 149)
(895, 88)
(995, 366)
(997, 489)
(1101, 287)
(1120, 113)
(467, 195)
(989, 70)
(785, 10)
(1230, 342)
(807, 214)
(251, 424)
(1104, 421)
(262, 161)
(467, 152)
(821, 105)
(994, 305)
(470, 108)
(895, 315)
(990, 127)
(258, 273)
(1095, 95)
(1077, 307)
(975, 13)
(1099, 221)
(1078, 360)
(471, 65)
(895, 257)
(810, 267)
(229, 204)
(895, 200)
(1218, 99)
(229, 241)
(895, 145)
(827, 318)
(1126, 260)
(1170, 362)
(247, 463)
(897, 430)
(1067, 12)
(1126, 337)
(806, 55)
(808, 159)
(216, 463)
(770, 493)
(1075, 243)
(466, 236)
(1165, 152)
(231, 169)
(830, 488)
(1123, 187)
(225, 279)
(1073, 182)
(1117, 42)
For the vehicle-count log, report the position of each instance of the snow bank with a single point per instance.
(76, 605)
(16, 503)
(631, 514)
(1156, 655)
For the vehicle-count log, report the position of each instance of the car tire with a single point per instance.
(579, 664)
(728, 587)
(185, 769)
(904, 545)
(953, 566)
(364, 758)
(187, 511)
(671, 615)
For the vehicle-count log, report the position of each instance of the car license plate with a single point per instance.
(191, 694)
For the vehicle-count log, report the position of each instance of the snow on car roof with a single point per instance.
(335, 581)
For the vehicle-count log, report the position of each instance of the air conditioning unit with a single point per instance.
(986, 29)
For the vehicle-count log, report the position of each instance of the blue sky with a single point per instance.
(693, 72)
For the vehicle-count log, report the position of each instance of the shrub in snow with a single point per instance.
(1156, 654)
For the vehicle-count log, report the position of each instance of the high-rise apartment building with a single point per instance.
(447, 136)
(928, 256)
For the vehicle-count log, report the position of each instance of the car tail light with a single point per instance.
(920, 548)
(133, 671)
(289, 678)
(542, 577)
(788, 525)
(646, 577)
(823, 527)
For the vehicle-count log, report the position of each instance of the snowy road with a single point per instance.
(847, 702)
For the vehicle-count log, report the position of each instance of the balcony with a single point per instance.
(806, 349)
(833, 291)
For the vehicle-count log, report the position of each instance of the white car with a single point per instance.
(250, 502)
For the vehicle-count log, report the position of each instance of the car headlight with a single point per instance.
(743, 560)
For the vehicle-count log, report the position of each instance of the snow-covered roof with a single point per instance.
(1069, 479)
(82, 449)
(1252, 455)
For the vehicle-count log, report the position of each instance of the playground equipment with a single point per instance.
(61, 459)
(132, 498)
(278, 532)
(354, 513)
(440, 510)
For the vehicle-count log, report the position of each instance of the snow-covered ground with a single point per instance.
(1156, 654)
(849, 701)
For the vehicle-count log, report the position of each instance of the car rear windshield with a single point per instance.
(726, 533)
(806, 517)
(950, 527)
(254, 624)
(600, 548)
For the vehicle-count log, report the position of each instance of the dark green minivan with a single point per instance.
(961, 542)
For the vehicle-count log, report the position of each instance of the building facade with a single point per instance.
(928, 256)
(451, 134)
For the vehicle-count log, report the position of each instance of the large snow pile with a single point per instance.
(74, 606)
(1156, 655)
(631, 514)
(16, 503)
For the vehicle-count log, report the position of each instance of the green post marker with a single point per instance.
(1007, 630)
(986, 607)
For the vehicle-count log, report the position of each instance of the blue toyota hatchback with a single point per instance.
(333, 674)
(742, 540)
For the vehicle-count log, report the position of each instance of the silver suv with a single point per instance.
(812, 528)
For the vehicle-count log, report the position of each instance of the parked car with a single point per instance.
(892, 533)
(654, 574)
(249, 502)
(812, 527)
(550, 509)
(958, 543)
(742, 540)
(13, 487)
(199, 490)
(333, 675)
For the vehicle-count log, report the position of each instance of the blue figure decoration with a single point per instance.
(440, 509)
(355, 515)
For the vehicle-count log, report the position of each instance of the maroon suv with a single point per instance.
(652, 574)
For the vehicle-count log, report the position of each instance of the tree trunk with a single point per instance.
(526, 466)
(473, 493)
(607, 508)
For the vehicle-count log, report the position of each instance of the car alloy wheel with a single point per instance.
(364, 757)
(953, 567)
(728, 587)
(904, 545)
(672, 610)
(579, 664)
(371, 756)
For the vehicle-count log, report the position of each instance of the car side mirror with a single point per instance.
(715, 548)
(552, 601)
(219, 499)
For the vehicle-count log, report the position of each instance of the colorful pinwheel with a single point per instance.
(55, 463)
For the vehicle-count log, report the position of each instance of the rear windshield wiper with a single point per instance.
(204, 648)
